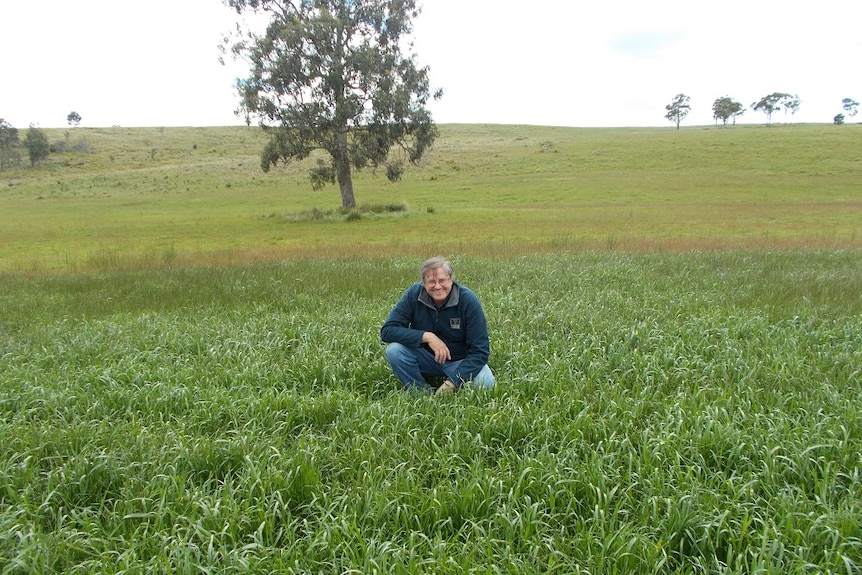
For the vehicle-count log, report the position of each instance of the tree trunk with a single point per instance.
(346, 185)
(342, 167)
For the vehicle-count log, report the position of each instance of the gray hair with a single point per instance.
(434, 263)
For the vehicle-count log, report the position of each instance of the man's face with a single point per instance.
(438, 284)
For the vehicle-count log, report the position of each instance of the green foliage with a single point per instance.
(332, 76)
(774, 102)
(73, 119)
(36, 142)
(9, 144)
(346, 214)
(725, 108)
(394, 171)
(850, 106)
(791, 104)
(678, 109)
(659, 413)
(321, 174)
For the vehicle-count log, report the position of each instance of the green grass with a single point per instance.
(655, 413)
(149, 197)
(191, 378)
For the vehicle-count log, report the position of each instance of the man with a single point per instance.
(438, 329)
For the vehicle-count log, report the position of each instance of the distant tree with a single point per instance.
(8, 144)
(770, 104)
(838, 119)
(37, 145)
(678, 109)
(791, 104)
(850, 106)
(331, 75)
(726, 108)
(74, 118)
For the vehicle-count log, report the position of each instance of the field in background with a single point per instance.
(123, 198)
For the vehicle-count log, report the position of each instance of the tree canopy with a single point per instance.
(330, 75)
(791, 104)
(36, 142)
(771, 104)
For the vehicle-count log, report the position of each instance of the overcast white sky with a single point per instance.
(543, 62)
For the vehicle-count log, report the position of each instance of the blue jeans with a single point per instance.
(412, 365)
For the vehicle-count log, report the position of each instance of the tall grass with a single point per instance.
(657, 413)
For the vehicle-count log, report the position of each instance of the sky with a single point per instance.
(543, 62)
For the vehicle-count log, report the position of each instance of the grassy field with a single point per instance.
(191, 378)
(133, 197)
(658, 413)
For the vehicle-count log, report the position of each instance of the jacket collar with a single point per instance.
(454, 297)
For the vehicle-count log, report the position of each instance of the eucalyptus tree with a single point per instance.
(338, 76)
(770, 104)
(36, 142)
(678, 109)
(791, 104)
(850, 106)
(725, 108)
(9, 143)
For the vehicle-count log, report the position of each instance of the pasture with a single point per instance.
(135, 197)
(192, 380)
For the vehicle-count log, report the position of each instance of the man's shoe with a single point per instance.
(446, 388)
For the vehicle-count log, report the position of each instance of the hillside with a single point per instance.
(132, 197)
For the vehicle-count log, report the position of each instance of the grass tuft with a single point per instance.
(346, 214)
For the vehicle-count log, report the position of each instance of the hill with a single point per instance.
(144, 197)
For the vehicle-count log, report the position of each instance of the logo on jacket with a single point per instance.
(455, 322)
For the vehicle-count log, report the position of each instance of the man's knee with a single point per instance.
(484, 379)
(395, 351)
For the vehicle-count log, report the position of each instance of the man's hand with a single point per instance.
(440, 349)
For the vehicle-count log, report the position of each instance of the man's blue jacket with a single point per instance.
(460, 323)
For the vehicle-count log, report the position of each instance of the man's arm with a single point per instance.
(398, 325)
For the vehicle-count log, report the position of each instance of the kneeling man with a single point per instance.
(438, 329)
